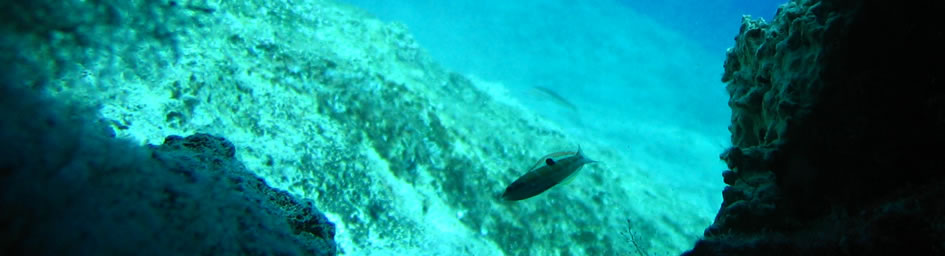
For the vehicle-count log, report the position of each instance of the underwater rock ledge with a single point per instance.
(838, 112)
(69, 188)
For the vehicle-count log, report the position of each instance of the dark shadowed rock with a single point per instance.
(838, 112)
(70, 189)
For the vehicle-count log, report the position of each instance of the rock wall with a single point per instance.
(837, 126)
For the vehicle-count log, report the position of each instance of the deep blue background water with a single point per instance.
(714, 23)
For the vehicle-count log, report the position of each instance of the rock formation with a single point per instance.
(70, 188)
(838, 128)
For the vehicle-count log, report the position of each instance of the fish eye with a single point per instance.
(550, 161)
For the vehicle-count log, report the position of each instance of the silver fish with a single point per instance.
(555, 97)
(551, 170)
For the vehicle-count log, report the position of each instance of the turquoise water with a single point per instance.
(405, 121)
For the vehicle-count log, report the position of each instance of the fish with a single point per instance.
(555, 97)
(550, 170)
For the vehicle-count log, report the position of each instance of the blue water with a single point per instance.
(712, 23)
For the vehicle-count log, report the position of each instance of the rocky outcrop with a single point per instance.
(838, 112)
(69, 188)
(202, 156)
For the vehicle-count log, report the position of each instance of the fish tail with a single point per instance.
(586, 159)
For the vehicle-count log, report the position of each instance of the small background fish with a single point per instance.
(554, 97)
